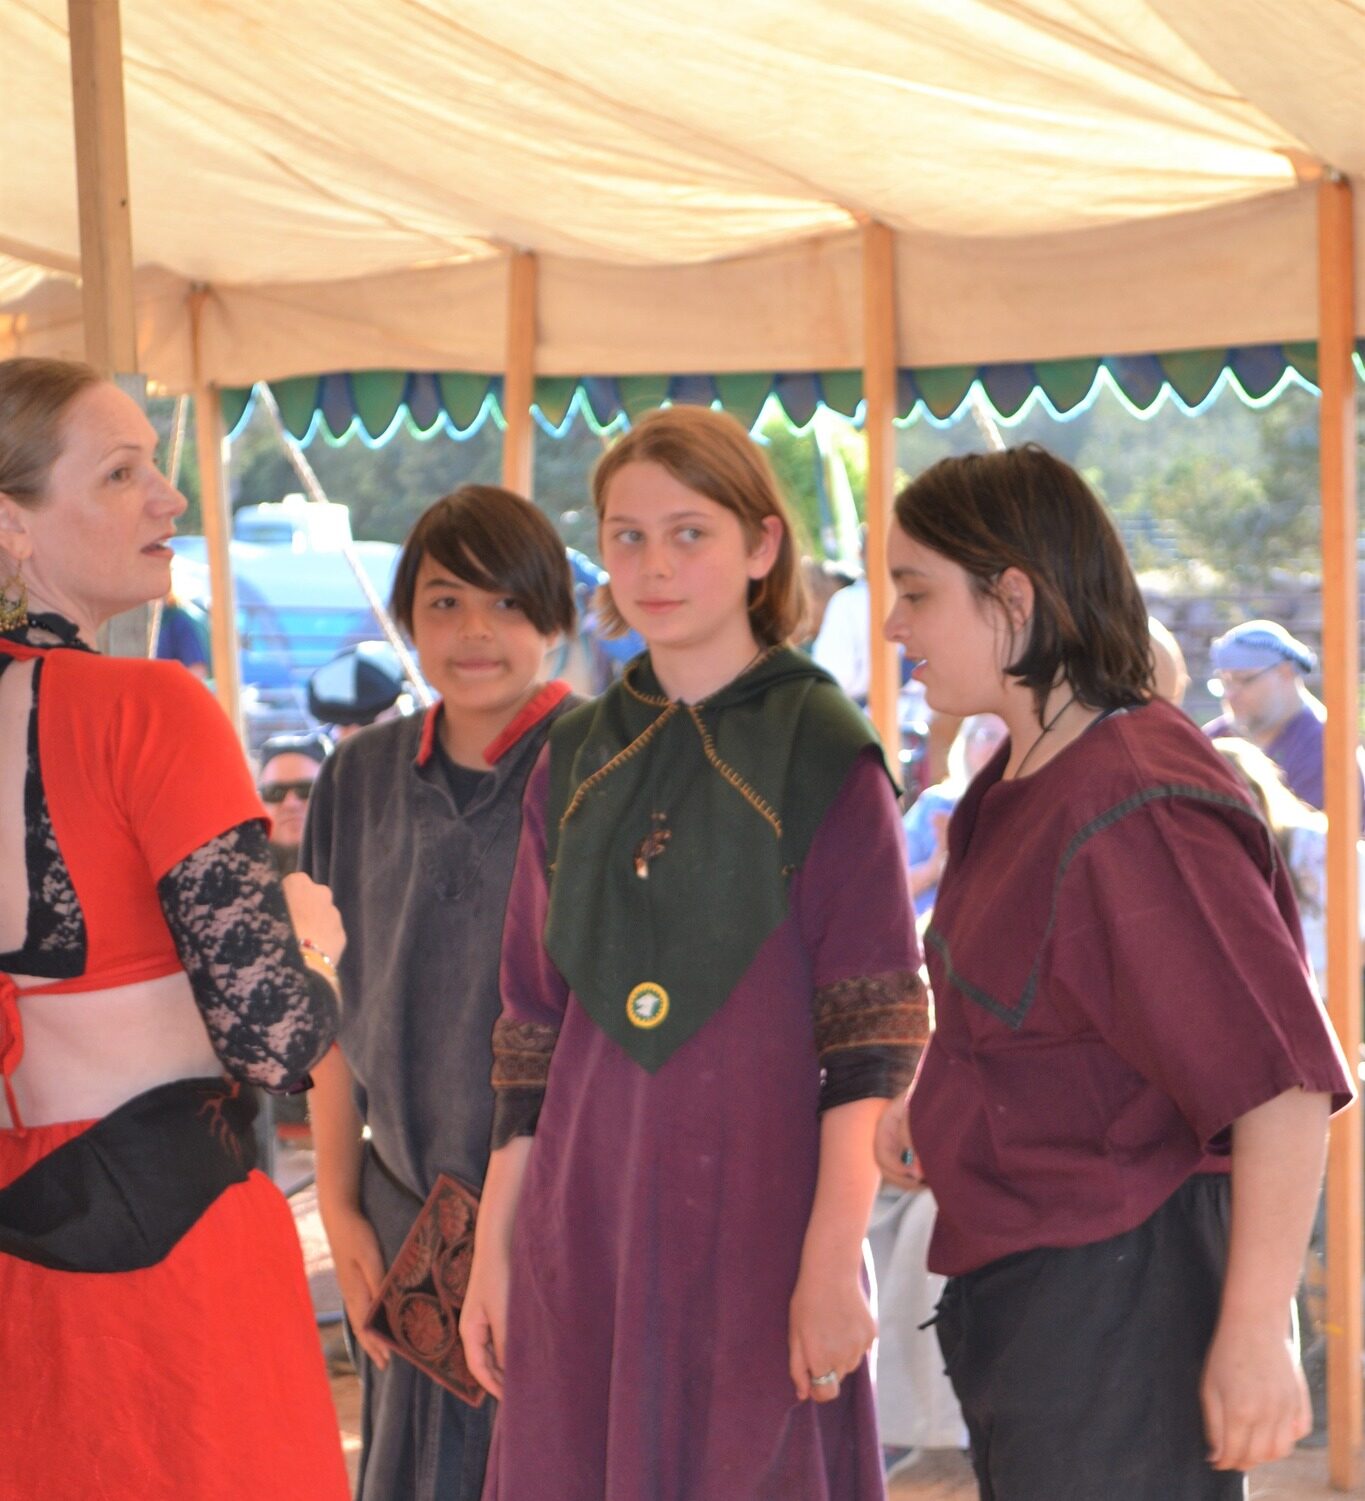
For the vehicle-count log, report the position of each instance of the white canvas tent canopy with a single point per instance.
(569, 191)
(1062, 177)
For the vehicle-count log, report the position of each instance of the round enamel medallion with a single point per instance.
(647, 1005)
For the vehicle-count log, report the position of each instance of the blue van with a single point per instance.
(297, 607)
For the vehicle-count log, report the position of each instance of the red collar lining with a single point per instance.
(428, 741)
(542, 703)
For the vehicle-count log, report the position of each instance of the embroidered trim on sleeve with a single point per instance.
(882, 1011)
(522, 1053)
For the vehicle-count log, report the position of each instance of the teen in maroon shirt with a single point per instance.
(1122, 1112)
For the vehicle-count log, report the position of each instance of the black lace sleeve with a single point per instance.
(270, 1018)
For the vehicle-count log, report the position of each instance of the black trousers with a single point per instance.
(1078, 1370)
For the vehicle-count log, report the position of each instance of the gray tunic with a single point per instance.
(422, 889)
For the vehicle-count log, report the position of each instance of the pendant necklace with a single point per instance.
(1051, 724)
(656, 841)
(653, 844)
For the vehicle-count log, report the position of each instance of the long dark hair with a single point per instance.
(1026, 509)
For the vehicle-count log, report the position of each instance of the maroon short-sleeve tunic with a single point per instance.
(1118, 975)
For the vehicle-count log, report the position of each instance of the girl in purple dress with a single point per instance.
(709, 984)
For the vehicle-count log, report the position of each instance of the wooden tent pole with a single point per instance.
(519, 374)
(109, 315)
(879, 396)
(1341, 678)
(217, 519)
(215, 504)
(102, 186)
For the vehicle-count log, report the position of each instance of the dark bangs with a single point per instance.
(1026, 509)
(497, 541)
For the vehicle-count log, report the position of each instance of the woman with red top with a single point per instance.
(157, 1339)
(1123, 1109)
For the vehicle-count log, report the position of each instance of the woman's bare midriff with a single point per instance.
(87, 1052)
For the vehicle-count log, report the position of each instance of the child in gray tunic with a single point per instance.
(414, 826)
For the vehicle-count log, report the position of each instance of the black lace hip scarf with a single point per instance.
(120, 1196)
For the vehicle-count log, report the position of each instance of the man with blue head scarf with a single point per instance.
(1258, 672)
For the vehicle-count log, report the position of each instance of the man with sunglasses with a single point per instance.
(1258, 673)
(289, 766)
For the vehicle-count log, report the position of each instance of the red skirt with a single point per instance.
(198, 1379)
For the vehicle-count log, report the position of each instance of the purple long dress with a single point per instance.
(659, 1232)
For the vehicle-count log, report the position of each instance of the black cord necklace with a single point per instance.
(1051, 724)
(66, 631)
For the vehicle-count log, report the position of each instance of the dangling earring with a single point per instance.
(13, 605)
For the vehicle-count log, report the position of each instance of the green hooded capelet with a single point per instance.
(672, 832)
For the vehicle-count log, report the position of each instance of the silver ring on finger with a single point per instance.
(830, 1378)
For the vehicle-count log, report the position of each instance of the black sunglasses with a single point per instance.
(276, 792)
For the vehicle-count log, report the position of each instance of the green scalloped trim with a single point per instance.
(1303, 360)
(377, 396)
(843, 390)
(1193, 373)
(945, 387)
(743, 394)
(297, 399)
(554, 395)
(232, 402)
(1066, 383)
(463, 396)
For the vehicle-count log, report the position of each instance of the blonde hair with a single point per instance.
(1172, 676)
(1281, 808)
(959, 772)
(711, 453)
(34, 396)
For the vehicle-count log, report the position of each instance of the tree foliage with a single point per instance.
(1232, 491)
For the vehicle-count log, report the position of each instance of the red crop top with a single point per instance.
(139, 768)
